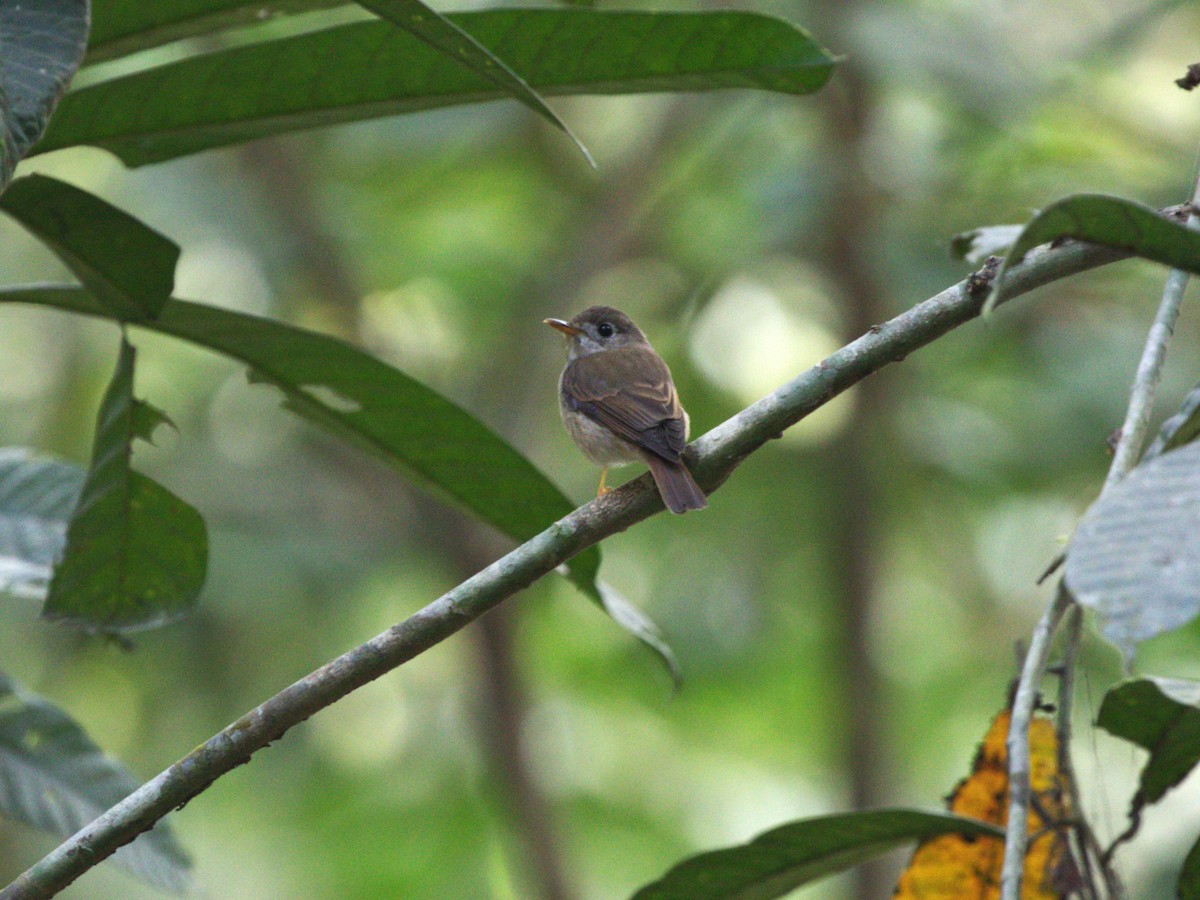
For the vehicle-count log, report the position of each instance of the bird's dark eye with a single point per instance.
(605, 330)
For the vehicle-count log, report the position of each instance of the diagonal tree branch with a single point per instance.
(713, 458)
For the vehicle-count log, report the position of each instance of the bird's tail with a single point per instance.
(676, 485)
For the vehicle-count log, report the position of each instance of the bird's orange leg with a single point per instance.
(602, 490)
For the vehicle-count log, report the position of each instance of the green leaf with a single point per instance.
(1135, 557)
(624, 613)
(443, 35)
(1181, 428)
(264, 89)
(1110, 221)
(1189, 877)
(1161, 715)
(127, 266)
(136, 554)
(53, 777)
(37, 496)
(42, 44)
(127, 26)
(795, 854)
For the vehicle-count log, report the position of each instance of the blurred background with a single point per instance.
(845, 612)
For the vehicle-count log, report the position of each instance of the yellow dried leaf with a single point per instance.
(959, 868)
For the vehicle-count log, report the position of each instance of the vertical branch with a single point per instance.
(1016, 833)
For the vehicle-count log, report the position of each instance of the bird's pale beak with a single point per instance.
(565, 327)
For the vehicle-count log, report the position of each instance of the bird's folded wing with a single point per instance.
(630, 392)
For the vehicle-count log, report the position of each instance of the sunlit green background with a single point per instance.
(887, 547)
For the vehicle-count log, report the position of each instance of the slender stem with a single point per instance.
(1016, 831)
(1149, 370)
(713, 458)
(1145, 382)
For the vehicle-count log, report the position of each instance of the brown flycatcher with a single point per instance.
(620, 405)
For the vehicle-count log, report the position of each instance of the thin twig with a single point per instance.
(1016, 831)
(1149, 371)
(713, 458)
(1066, 767)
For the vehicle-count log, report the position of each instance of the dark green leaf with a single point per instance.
(1189, 878)
(53, 777)
(126, 26)
(127, 266)
(136, 554)
(1110, 221)
(440, 33)
(1181, 428)
(1160, 715)
(37, 496)
(1135, 557)
(41, 45)
(784, 858)
(248, 92)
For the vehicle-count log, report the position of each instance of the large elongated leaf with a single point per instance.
(1110, 221)
(126, 26)
(41, 45)
(1135, 557)
(127, 266)
(782, 859)
(53, 777)
(136, 554)
(378, 407)
(37, 496)
(1161, 715)
(372, 69)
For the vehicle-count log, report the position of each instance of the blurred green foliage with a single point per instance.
(439, 242)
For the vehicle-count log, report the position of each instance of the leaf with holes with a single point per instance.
(136, 554)
(1135, 557)
(53, 777)
(37, 496)
(42, 45)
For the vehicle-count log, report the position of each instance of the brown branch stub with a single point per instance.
(979, 282)
(1192, 79)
